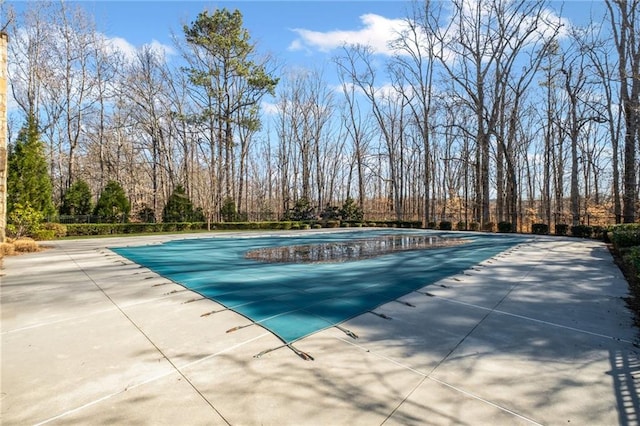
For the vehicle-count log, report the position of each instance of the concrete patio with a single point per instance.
(539, 334)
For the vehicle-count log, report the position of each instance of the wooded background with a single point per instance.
(489, 111)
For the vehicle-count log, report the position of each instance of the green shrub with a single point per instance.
(23, 220)
(540, 229)
(505, 227)
(84, 229)
(77, 199)
(474, 226)
(170, 227)
(445, 225)
(627, 235)
(600, 233)
(179, 208)
(59, 229)
(113, 205)
(150, 227)
(351, 211)
(489, 227)
(461, 226)
(303, 210)
(330, 213)
(432, 225)
(77, 229)
(562, 228)
(331, 223)
(631, 258)
(43, 235)
(227, 211)
(581, 231)
(90, 229)
(183, 226)
(316, 226)
(146, 214)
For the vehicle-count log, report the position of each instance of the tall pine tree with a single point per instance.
(28, 181)
(231, 80)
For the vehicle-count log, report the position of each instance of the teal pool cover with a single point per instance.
(294, 300)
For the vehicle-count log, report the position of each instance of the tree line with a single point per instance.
(487, 111)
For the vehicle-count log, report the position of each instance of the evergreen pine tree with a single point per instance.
(179, 208)
(77, 199)
(351, 211)
(113, 205)
(28, 181)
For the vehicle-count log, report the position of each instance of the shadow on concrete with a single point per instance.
(625, 370)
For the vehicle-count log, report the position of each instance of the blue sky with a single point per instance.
(296, 32)
(271, 24)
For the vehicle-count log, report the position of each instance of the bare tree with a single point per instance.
(604, 68)
(581, 111)
(305, 106)
(73, 57)
(624, 16)
(30, 35)
(478, 51)
(388, 110)
(415, 62)
(359, 130)
(550, 84)
(145, 89)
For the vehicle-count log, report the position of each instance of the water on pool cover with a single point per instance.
(346, 276)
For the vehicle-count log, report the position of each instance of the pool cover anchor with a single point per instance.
(349, 333)
(206, 314)
(405, 303)
(240, 327)
(296, 351)
(381, 315)
(194, 300)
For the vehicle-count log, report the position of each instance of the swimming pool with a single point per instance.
(296, 299)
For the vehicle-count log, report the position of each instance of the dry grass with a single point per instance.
(14, 247)
(7, 249)
(26, 245)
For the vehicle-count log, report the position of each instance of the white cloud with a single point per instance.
(269, 108)
(121, 46)
(129, 51)
(377, 32)
(163, 49)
